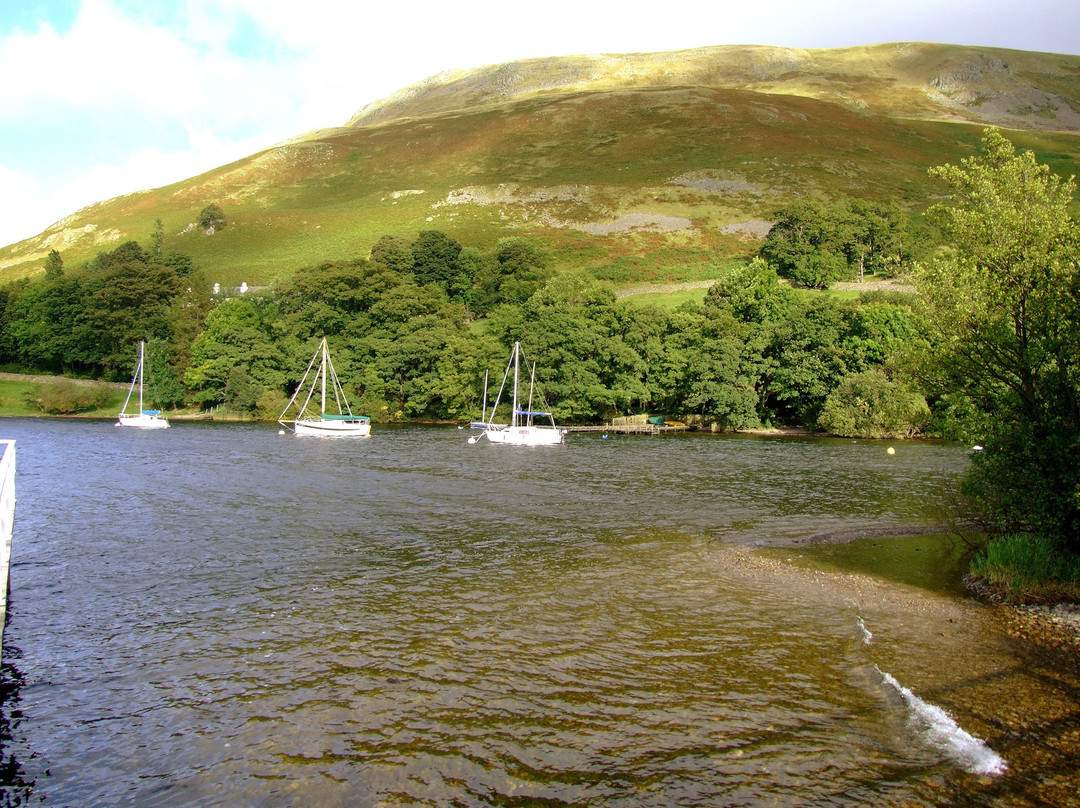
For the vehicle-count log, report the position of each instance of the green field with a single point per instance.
(13, 397)
(16, 399)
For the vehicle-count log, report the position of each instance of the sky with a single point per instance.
(100, 98)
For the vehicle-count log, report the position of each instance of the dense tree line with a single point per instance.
(510, 273)
(88, 323)
(754, 353)
(415, 326)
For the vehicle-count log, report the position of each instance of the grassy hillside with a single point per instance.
(1007, 88)
(656, 167)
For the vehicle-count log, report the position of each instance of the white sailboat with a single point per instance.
(322, 423)
(143, 419)
(521, 431)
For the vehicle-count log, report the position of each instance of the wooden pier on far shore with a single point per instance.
(629, 429)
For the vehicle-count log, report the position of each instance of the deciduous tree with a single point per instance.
(54, 265)
(435, 258)
(871, 405)
(1006, 307)
(211, 218)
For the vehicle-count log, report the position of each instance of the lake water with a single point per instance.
(219, 615)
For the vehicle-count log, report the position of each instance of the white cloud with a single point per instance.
(104, 63)
(117, 104)
(28, 206)
(22, 208)
(112, 64)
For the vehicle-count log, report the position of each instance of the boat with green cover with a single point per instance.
(321, 423)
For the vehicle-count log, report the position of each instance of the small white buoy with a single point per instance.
(472, 439)
(891, 450)
(281, 431)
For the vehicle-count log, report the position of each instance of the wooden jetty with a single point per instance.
(630, 429)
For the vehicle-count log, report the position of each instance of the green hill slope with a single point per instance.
(995, 86)
(640, 167)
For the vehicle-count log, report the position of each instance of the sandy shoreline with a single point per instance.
(861, 591)
(1054, 627)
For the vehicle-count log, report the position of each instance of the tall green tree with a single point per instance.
(573, 329)
(393, 253)
(872, 236)
(162, 383)
(730, 363)
(54, 265)
(124, 302)
(806, 244)
(880, 327)
(43, 323)
(435, 258)
(240, 332)
(806, 360)
(815, 244)
(753, 293)
(415, 358)
(212, 218)
(157, 239)
(515, 271)
(1006, 308)
(871, 405)
(727, 367)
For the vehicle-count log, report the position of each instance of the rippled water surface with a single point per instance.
(219, 615)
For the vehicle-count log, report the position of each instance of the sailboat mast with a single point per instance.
(514, 421)
(141, 355)
(532, 381)
(324, 353)
(483, 407)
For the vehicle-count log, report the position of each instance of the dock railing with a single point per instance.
(7, 523)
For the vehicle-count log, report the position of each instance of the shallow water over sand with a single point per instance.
(216, 615)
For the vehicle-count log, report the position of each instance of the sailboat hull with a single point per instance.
(337, 428)
(525, 436)
(142, 421)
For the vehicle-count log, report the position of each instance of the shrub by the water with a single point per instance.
(870, 405)
(64, 397)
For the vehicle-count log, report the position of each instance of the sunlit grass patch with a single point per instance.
(1026, 568)
(669, 300)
